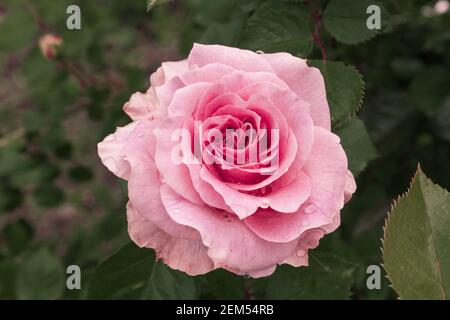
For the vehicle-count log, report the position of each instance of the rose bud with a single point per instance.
(49, 45)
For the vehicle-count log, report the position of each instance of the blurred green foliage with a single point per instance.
(60, 206)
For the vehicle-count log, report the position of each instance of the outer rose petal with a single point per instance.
(306, 82)
(350, 186)
(144, 180)
(175, 175)
(308, 240)
(110, 151)
(143, 106)
(327, 169)
(189, 256)
(174, 69)
(231, 244)
(239, 59)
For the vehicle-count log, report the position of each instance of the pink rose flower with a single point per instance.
(230, 162)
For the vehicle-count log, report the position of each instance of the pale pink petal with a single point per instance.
(239, 59)
(186, 255)
(350, 186)
(327, 167)
(174, 172)
(296, 111)
(110, 151)
(157, 78)
(229, 241)
(244, 204)
(144, 181)
(185, 100)
(285, 227)
(309, 240)
(306, 82)
(174, 69)
(166, 91)
(142, 105)
(209, 73)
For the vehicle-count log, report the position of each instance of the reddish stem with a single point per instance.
(317, 16)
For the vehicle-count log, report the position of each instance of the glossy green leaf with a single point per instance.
(123, 275)
(168, 284)
(416, 244)
(277, 26)
(357, 145)
(40, 276)
(346, 20)
(327, 277)
(345, 89)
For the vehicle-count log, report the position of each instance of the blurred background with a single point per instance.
(60, 95)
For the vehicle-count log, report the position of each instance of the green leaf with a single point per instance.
(48, 195)
(40, 276)
(221, 284)
(429, 89)
(278, 27)
(346, 20)
(169, 284)
(8, 272)
(327, 277)
(17, 235)
(357, 145)
(345, 89)
(225, 33)
(123, 275)
(80, 173)
(416, 244)
(17, 28)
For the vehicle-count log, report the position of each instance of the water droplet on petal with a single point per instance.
(176, 211)
(140, 134)
(310, 208)
(305, 223)
(300, 253)
(260, 52)
(265, 203)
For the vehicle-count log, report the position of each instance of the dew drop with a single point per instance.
(300, 253)
(310, 208)
(176, 211)
(260, 52)
(265, 203)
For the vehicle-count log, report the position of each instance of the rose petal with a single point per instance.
(306, 82)
(175, 173)
(144, 180)
(229, 241)
(239, 59)
(189, 256)
(350, 186)
(185, 100)
(110, 151)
